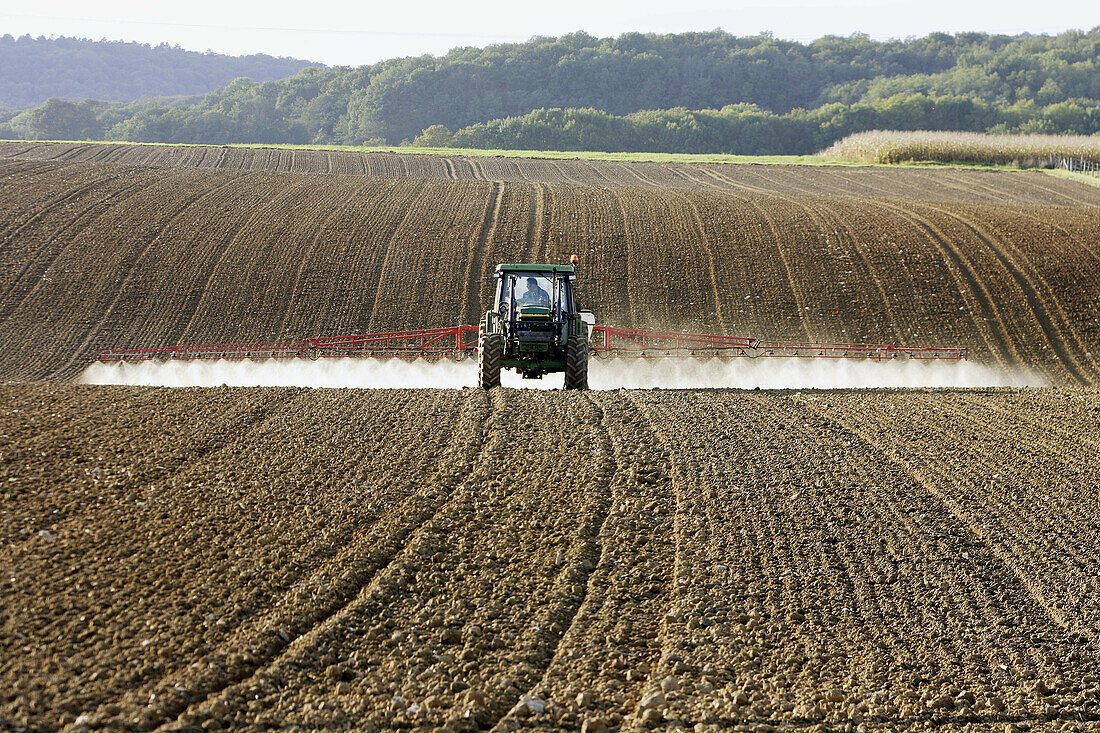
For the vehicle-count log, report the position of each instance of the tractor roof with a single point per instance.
(535, 268)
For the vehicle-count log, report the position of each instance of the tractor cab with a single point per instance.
(533, 322)
(534, 300)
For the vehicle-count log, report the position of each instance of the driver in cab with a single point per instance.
(534, 295)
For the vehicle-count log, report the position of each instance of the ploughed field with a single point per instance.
(162, 246)
(326, 559)
(390, 559)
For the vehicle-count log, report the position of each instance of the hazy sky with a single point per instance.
(353, 33)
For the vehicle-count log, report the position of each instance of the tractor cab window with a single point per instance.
(532, 295)
(534, 291)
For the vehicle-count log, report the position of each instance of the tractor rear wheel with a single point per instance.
(489, 353)
(576, 361)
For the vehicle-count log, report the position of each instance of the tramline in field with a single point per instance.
(536, 327)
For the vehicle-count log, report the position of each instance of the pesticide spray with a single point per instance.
(611, 374)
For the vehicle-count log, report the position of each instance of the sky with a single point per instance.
(340, 32)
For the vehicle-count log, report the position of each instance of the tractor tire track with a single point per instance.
(535, 220)
(1028, 181)
(545, 223)
(792, 284)
(477, 263)
(979, 403)
(194, 304)
(632, 170)
(725, 183)
(53, 203)
(843, 577)
(253, 202)
(349, 299)
(1053, 331)
(630, 262)
(1001, 346)
(659, 668)
(449, 165)
(615, 627)
(476, 512)
(868, 266)
(693, 182)
(1026, 525)
(707, 247)
(827, 222)
(289, 625)
(592, 552)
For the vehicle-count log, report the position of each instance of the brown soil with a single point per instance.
(324, 559)
(176, 245)
(975, 186)
(250, 559)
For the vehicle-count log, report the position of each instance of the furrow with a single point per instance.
(477, 263)
(1000, 344)
(131, 269)
(316, 602)
(51, 208)
(336, 214)
(1037, 303)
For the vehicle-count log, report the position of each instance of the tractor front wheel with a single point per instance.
(576, 361)
(489, 353)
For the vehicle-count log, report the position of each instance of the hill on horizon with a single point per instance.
(708, 92)
(33, 70)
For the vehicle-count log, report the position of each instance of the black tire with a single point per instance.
(489, 352)
(576, 360)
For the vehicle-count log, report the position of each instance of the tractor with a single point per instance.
(534, 326)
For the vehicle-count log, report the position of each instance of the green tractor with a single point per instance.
(534, 326)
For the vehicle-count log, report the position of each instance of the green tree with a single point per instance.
(59, 120)
(435, 136)
(705, 92)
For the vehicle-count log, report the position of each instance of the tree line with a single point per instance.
(747, 129)
(697, 92)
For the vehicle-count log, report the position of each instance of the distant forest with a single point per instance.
(33, 70)
(691, 92)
